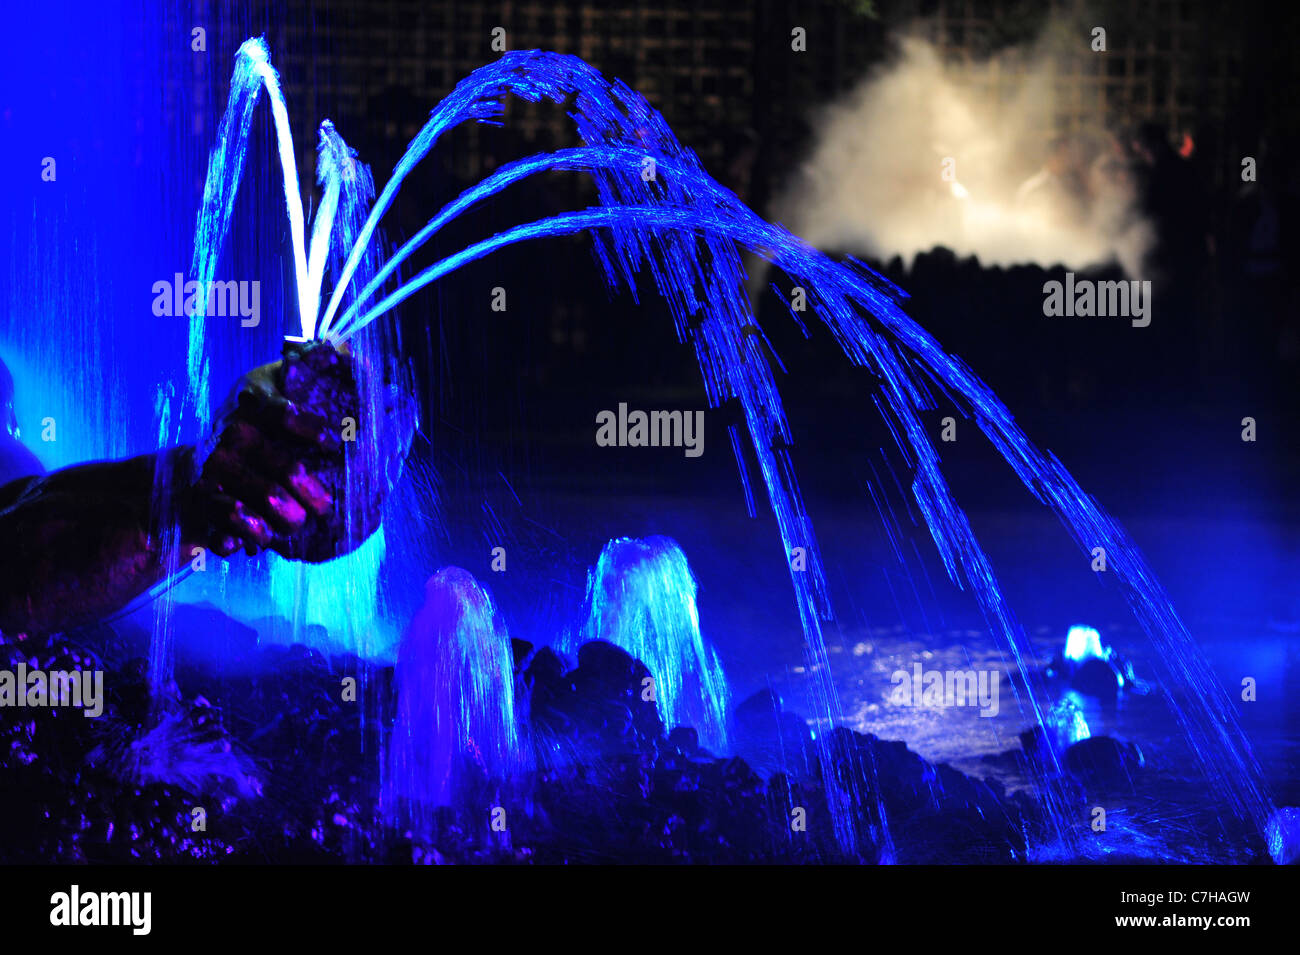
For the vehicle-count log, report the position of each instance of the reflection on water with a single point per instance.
(1166, 814)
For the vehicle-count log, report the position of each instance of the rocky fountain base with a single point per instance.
(280, 764)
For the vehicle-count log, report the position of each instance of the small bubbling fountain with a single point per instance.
(456, 715)
(641, 597)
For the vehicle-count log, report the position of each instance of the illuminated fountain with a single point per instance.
(641, 597)
(455, 701)
(1083, 643)
(340, 593)
(659, 208)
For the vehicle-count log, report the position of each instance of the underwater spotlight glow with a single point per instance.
(338, 595)
(1083, 643)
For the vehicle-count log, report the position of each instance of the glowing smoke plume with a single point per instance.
(878, 182)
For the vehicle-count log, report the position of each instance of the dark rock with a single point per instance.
(1103, 760)
(757, 714)
(960, 836)
(545, 669)
(520, 649)
(686, 739)
(1097, 678)
(605, 665)
(769, 737)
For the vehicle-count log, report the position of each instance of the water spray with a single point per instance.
(690, 231)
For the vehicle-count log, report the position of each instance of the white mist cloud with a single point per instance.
(874, 184)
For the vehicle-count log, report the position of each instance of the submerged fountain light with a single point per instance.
(1083, 643)
(690, 231)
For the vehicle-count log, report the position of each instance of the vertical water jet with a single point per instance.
(641, 597)
(455, 701)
